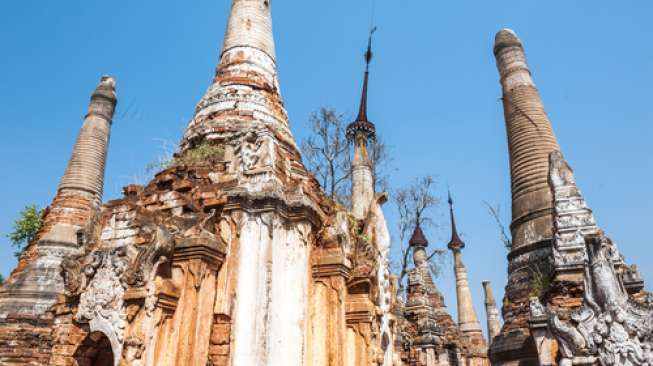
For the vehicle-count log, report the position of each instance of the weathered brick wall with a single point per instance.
(220, 341)
(25, 341)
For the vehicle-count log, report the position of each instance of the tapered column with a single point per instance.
(362, 186)
(492, 313)
(36, 282)
(530, 142)
(361, 132)
(85, 172)
(467, 318)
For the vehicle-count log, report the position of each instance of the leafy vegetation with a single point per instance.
(204, 152)
(25, 228)
(540, 283)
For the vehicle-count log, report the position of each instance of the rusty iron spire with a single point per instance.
(362, 124)
(456, 243)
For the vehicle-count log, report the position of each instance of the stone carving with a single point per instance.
(561, 173)
(144, 267)
(573, 219)
(133, 351)
(101, 303)
(536, 308)
(74, 280)
(610, 327)
(256, 153)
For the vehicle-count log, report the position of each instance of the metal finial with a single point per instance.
(369, 54)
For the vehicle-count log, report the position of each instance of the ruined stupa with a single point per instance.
(570, 297)
(231, 255)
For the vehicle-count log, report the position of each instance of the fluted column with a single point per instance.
(85, 172)
(530, 142)
(35, 284)
(492, 313)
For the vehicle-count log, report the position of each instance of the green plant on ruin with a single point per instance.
(205, 152)
(25, 228)
(540, 282)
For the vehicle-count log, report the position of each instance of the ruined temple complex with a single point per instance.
(233, 255)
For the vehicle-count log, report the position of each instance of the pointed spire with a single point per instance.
(467, 318)
(455, 243)
(245, 89)
(362, 124)
(360, 132)
(418, 239)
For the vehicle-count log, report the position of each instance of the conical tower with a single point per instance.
(245, 90)
(530, 142)
(35, 284)
(467, 318)
(360, 132)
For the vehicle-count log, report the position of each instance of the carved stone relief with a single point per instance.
(256, 152)
(101, 303)
(610, 328)
(573, 219)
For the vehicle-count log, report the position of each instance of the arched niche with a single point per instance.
(95, 350)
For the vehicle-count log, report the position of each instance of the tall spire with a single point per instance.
(362, 125)
(34, 286)
(467, 318)
(85, 171)
(530, 143)
(455, 243)
(360, 132)
(245, 90)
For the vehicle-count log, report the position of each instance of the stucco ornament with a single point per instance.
(256, 152)
(72, 274)
(144, 267)
(101, 304)
(573, 219)
(133, 351)
(610, 327)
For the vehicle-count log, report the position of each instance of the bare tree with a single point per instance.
(328, 155)
(414, 204)
(495, 212)
(327, 151)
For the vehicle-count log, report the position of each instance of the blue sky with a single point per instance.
(434, 95)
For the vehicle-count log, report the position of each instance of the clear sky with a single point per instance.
(434, 95)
